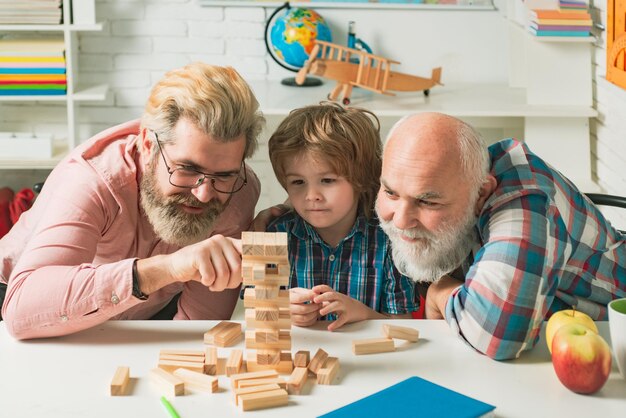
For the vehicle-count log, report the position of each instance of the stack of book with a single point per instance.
(559, 23)
(32, 66)
(36, 12)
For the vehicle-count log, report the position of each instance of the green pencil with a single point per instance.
(169, 408)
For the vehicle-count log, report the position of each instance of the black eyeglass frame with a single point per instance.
(205, 176)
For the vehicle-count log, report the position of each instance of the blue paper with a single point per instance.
(414, 397)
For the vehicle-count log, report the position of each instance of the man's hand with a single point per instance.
(266, 216)
(437, 297)
(214, 262)
(346, 308)
(304, 312)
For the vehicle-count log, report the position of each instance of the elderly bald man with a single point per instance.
(502, 238)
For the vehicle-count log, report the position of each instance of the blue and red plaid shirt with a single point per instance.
(543, 247)
(360, 266)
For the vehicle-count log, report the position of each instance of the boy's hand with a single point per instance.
(346, 308)
(266, 216)
(304, 312)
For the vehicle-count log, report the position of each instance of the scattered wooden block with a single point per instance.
(176, 357)
(301, 358)
(224, 334)
(318, 360)
(119, 383)
(175, 352)
(261, 400)
(401, 333)
(265, 381)
(197, 381)
(236, 378)
(210, 361)
(297, 380)
(254, 389)
(167, 383)
(372, 346)
(171, 365)
(328, 372)
(234, 362)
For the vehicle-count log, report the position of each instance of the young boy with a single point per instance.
(328, 159)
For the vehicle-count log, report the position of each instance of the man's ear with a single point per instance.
(489, 185)
(145, 145)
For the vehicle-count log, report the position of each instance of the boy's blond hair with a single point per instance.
(215, 99)
(348, 139)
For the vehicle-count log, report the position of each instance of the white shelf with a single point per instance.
(59, 150)
(463, 100)
(347, 5)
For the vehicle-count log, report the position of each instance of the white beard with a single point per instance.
(435, 254)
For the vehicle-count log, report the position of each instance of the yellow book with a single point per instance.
(31, 59)
(563, 22)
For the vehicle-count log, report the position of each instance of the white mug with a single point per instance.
(617, 325)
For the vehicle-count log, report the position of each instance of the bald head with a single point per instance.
(440, 141)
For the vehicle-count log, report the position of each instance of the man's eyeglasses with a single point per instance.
(228, 183)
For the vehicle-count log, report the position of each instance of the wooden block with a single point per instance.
(401, 333)
(247, 242)
(261, 400)
(328, 372)
(258, 272)
(167, 383)
(269, 243)
(318, 360)
(372, 346)
(265, 381)
(268, 357)
(297, 380)
(267, 314)
(175, 357)
(222, 326)
(254, 389)
(197, 381)
(119, 383)
(283, 343)
(263, 292)
(282, 243)
(194, 353)
(283, 320)
(270, 279)
(284, 367)
(210, 361)
(171, 365)
(284, 270)
(251, 301)
(302, 358)
(224, 334)
(262, 336)
(236, 378)
(235, 360)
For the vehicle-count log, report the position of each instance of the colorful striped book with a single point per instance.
(558, 33)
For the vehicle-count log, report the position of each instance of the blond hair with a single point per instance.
(348, 139)
(215, 99)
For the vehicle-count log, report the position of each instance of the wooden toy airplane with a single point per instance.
(371, 72)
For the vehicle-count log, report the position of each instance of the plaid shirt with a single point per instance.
(360, 266)
(543, 247)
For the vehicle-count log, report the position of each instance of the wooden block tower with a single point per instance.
(268, 322)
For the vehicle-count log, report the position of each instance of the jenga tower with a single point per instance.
(268, 321)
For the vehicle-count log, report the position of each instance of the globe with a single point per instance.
(290, 34)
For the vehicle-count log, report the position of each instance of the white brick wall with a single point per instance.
(142, 39)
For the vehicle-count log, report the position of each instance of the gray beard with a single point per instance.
(435, 255)
(169, 221)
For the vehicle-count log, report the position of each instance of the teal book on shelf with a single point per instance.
(414, 397)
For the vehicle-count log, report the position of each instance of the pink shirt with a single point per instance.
(68, 260)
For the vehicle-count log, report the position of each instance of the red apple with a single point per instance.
(581, 358)
(567, 316)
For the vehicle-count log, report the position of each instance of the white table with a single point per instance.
(69, 376)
